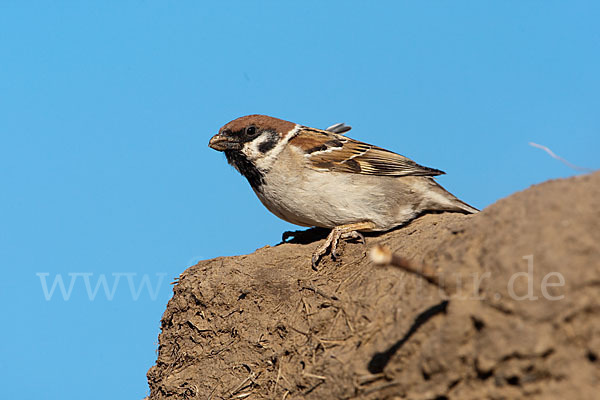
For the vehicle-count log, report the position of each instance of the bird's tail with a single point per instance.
(448, 202)
(465, 207)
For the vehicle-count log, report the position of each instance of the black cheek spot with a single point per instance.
(268, 144)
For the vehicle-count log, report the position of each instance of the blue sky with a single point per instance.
(106, 110)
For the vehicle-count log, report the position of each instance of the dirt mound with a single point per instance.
(519, 316)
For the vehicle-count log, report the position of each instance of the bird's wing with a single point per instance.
(328, 151)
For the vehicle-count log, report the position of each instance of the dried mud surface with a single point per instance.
(266, 326)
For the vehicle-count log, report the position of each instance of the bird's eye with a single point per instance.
(250, 131)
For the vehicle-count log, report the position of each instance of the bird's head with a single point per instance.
(252, 135)
(252, 142)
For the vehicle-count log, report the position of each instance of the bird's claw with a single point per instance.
(315, 260)
(354, 235)
(335, 254)
(332, 242)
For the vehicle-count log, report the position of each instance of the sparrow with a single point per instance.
(322, 178)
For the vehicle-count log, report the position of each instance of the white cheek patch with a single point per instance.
(261, 145)
(263, 150)
(250, 149)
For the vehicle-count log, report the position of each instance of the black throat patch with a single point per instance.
(246, 168)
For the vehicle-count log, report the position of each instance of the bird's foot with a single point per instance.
(349, 231)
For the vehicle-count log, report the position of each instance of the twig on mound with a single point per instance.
(310, 286)
(370, 378)
(307, 334)
(244, 383)
(382, 255)
(276, 379)
(309, 375)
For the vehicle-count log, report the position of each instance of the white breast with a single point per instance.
(306, 197)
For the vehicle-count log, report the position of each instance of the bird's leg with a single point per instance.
(337, 233)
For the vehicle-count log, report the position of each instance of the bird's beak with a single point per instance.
(223, 142)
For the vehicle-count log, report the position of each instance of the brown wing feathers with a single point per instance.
(333, 152)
